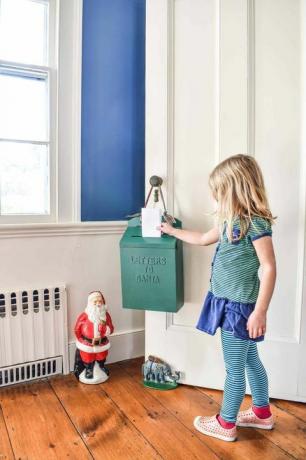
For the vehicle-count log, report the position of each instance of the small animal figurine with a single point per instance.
(157, 374)
(92, 330)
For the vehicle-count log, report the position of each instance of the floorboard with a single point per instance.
(105, 429)
(296, 409)
(122, 420)
(37, 424)
(170, 438)
(186, 402)
(6, 452)
(289, 432)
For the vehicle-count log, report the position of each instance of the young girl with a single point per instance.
(237, 301)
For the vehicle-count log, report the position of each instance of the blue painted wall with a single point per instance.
(113, 109)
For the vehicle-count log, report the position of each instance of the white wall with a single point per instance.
(83, 262)
(83, 256)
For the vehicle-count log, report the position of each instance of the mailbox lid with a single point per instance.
(132, 238)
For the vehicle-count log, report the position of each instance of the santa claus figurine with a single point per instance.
(92, 329)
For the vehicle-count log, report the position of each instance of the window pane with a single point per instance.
(24, 178)
(23, 31)
(23, 108)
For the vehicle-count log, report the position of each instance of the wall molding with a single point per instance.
(251, 77)
(69, 104)
(62, 229)
(124, 345)
(170, 105)
(77, 109)
(218, 83)
(171, 326)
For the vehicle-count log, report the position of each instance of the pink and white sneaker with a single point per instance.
(248, 418)
(211, 427)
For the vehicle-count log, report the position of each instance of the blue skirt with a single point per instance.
(230, 316)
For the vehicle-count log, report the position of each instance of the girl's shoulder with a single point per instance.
(259, 227)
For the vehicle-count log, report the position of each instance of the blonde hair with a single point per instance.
(237, 185)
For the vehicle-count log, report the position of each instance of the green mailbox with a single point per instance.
(151, 270)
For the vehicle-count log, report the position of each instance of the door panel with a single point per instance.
(222, 78)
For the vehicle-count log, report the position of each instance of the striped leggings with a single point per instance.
(240, 355)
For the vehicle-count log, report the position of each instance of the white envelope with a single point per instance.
(150, 219)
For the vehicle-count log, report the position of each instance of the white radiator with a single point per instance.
(33, 334)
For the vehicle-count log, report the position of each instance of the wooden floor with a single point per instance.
(59, 418)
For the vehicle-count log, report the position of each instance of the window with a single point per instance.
(28, 110)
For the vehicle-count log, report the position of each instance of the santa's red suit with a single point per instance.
(92, 337)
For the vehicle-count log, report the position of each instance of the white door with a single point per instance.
(227, 77)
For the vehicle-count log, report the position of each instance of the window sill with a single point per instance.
(62, 229)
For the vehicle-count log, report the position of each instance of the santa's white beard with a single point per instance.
(95, 313)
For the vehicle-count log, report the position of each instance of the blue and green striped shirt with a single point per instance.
(235, 265)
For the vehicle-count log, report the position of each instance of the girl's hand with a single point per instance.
(166, 228)
(256, 324)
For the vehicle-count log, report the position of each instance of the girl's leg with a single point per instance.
(259, 415)
(257, 377)
(235, 353)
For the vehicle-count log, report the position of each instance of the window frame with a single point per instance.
(51, 70)
(67, 89)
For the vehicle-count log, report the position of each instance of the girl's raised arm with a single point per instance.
(201, 239)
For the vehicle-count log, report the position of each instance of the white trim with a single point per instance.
(65, 73)
(24, 219)
(277, 395)
(171, 326)
(69, 141)
(24, 141)
(64, 229)
(41, 1)
(251, 77)
(301, 251)
(53, 56)
(77, 110)
(218, 83)
(51, 72)
(128, 331)
(92, 349)
(20, 66)
(300, 329)
(170, 106)
(301, 286)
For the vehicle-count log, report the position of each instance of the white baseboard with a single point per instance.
(124, 345)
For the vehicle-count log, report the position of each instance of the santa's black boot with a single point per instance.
(104, 369)
(78, 364)
(89, 367)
